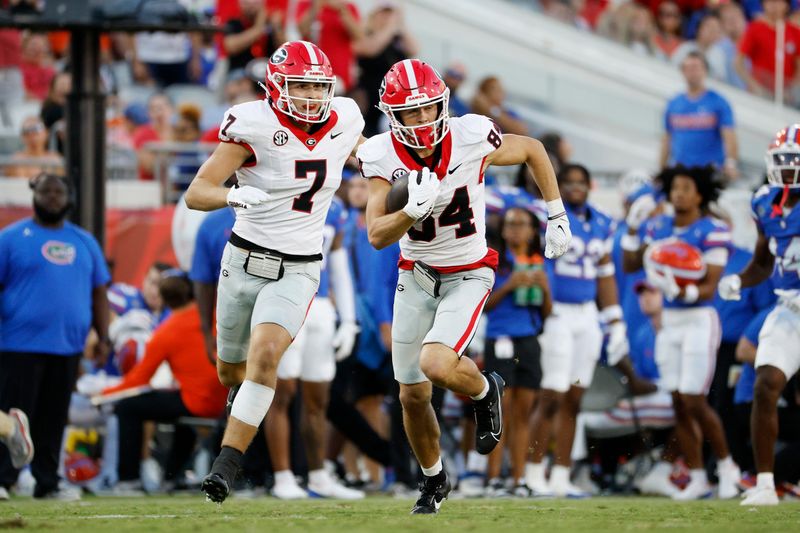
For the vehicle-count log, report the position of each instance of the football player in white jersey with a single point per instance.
(446, 269)
(288, 153)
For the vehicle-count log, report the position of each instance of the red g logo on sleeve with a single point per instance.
(59, 253)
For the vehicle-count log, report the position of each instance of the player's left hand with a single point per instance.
(617, 346)
(345, 339)
(558, 236)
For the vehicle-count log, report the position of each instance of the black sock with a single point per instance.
(227, 463)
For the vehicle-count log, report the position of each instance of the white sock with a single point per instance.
(698, 475)
(484, 392)
(285, 477)
(726, 464)
(318, 477)
(559, 475)
(433, 470)
(534, 473)
(476, 462)
(765, 480)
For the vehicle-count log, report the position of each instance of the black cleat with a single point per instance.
(215, 487)
(433, 491)
(231, 396)
(489, 415)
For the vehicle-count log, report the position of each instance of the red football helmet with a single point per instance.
(300, 61)
(685, 261)
(783, 158)
(411, 84)
(80, 468)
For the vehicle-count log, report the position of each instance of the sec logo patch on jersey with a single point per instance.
(280, 138)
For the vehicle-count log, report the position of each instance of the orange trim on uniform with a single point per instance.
(491, 260)
(251, 161)
(304, 136)
(473, 324)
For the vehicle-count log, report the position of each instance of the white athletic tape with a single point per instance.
(252, 403)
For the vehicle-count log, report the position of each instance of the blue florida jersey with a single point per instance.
(783, 234)
(334, 224)
(574, 274)
(709, 235)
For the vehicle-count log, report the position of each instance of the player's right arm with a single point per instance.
(384, 229)
(206, 192)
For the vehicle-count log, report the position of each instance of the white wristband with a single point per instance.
(691, 294)
(611, 313)
(630, 243)
(555, 208)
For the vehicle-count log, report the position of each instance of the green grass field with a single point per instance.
(172, 514)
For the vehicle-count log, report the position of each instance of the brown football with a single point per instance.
(398, 195)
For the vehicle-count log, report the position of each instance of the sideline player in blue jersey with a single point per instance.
(686, 346)
(777, 249)
(311, 360)
(572, 339)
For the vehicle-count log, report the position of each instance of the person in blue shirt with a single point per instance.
(777, 250)
(686, 346)
(53, 277)
(698, 124)
(212, 236)
(572, 338)
(515, 310)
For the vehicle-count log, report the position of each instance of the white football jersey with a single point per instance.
(455, 233)
(300, 171)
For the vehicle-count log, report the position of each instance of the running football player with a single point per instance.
(686, 346)
(777, 249)
(288, 153)
(446, 269)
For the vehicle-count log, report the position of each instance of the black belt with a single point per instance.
(244, 244)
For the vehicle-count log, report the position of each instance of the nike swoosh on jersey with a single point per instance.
(454, 168)
(334, 135)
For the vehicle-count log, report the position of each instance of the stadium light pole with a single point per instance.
(86, 132)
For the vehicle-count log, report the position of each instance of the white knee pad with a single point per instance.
(252, 402)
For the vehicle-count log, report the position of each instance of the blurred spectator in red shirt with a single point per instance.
(256, 32)
(160, 111)
(386, 41)
(34, 137)
(669, 27)
(36, 66)
(335, 27)
(489, 100)
(758, 45)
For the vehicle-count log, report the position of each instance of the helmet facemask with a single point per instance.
(420, 136)
(288, 104)
(783, 166)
